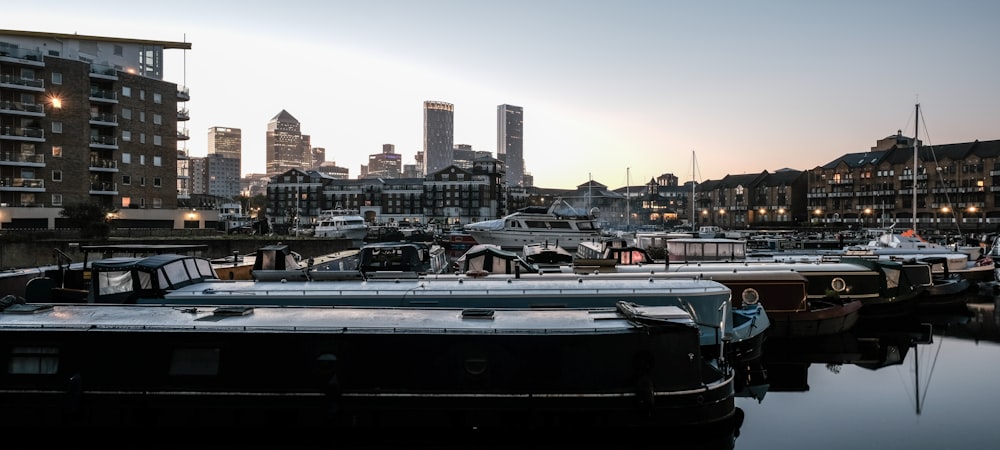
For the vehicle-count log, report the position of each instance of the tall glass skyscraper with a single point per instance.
(439, 135)
(510, 142)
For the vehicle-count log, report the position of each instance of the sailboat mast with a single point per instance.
(693, 217)
(916, 147)
(628, 198)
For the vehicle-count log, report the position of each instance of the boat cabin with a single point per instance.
(699, 249)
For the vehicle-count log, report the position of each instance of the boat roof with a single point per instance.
(339, 320)
(447, 286)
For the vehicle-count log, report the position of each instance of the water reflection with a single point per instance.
(926, 381)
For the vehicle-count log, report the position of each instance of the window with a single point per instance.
(157, 98)
(56, 175)
(157, 182)
(56, 199)
(127, 180)
(126, 113)
(142, 181)
(142, 116)
(56, 127)
(157, 161)
(126, 202)
(56, 77)
(157, 119)
(126, 158)
(119, 50)
(142, 160)
(126, 91)
(57, 151)
(126, 135)
(142, 138)
(142, 94)
(157, 202)
(33, 360)
(157, 139)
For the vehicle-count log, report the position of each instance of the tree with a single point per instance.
(90, 218)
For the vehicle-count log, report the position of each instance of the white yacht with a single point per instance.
(559, 224)
(341, 224)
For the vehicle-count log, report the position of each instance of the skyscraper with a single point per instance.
(510, 142)
(225, 141)
(439, 135)
(287, 147)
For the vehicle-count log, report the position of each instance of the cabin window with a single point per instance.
(195, 361)
(114, 282)
(33, 361)
(560, 225)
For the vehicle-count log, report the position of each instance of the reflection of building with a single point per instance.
(88, 119)
(439, 135)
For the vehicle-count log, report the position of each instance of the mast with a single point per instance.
(693, 217)
(628, 198)
(916, 147)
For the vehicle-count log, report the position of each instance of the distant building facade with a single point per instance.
(387, 164)
(439, 135)
(510, 142)
(287, 148)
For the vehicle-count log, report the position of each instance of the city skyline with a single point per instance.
(609, 91)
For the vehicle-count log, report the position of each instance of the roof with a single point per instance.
(84, 37)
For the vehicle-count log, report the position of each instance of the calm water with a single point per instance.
(869, 389)
(943, 394)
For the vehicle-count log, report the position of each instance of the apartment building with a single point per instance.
(88, 119)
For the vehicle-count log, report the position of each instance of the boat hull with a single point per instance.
(110, 366)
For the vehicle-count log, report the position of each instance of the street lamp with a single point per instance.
(972, 212)
(868, 213)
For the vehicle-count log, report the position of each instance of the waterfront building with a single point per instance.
(89, 119)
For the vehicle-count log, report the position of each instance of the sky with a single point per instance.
(615, 92)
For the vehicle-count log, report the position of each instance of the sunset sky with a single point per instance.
(612, 91)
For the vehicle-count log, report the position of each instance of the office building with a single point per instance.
(287, 148)
(387, 164)
(439, 135)
(510, 142)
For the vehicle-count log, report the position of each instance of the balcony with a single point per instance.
(183, 115)
(108, 120)
(108, 142)
(103, 72)
(183, 94)
(25, 84)
(182, 154)
(22, 134)
(22, 159)
(22, 109)
(103, 165)
(22, 184)
(103, 95)
(103, 189)
(21, 56)
(182, 135)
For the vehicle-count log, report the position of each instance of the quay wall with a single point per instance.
(30, 250)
